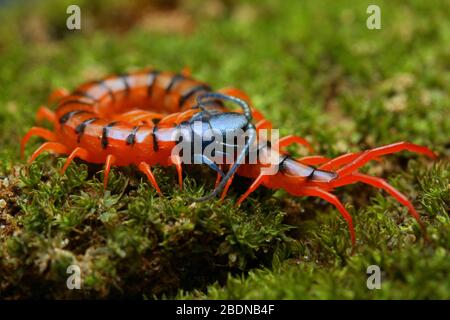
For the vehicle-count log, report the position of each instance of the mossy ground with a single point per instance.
(313, 69)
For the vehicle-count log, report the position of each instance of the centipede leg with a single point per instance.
(260, 179)
(36, 131)
(186, 115)
(219, 176)
(291, 139)
(78, 152)
(186, 72)
(176, 160)
(331, 198)
(313, 160)
(263, 124)
(45, 113)
(55, 147)
(57, 95)
(137, 117)
(368, 155)
(382, 184)
(110, 159)
(225, 189)
(169, 119)
(335, 163)
(145, 168)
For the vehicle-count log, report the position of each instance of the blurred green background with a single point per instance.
(314, 69)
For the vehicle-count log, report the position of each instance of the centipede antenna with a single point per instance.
(244, 106)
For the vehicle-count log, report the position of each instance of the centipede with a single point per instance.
(131, 119)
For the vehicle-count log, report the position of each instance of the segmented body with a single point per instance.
(131, 119)
(119, 115)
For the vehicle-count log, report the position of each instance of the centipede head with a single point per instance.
(226, 122)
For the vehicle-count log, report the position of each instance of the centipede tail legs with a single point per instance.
(381, 184)
(331, 198)
(368, 155)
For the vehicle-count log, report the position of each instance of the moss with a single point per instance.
(314, 70)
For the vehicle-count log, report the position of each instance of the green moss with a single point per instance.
(313, 70)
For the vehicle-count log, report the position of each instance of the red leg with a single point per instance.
(45, 113)
(218, 176)
(368, 155)
(169, 119)
(288, 140)
(313, 160)
(110, 159)
(145, 168)
(335, 163)
(48, 146)
(317, 192)
(139, 116)
(382, 184)
(36, 131)
(177, 162)
(263, 124)
(57, 95)
(260, 179)
(225, 189)
(185, 115)
(76, 153)
(186, 72)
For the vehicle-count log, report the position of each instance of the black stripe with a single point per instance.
(64, 118)
(82, 126)
(104, 140)
(155, 142)
(102, 84)
(75, 101)
(280, 164)
(131, 139)
(175, 79)
(124, 78)
(311, 175)
(84, 94)
(151, 81)
(190, 92)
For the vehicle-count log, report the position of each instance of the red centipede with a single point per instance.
(131, 118)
